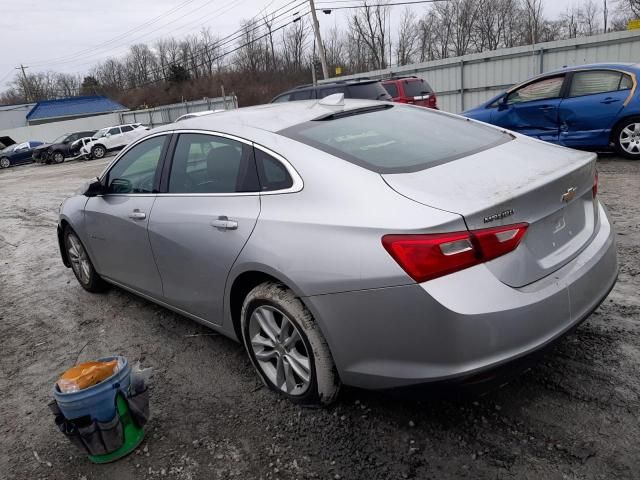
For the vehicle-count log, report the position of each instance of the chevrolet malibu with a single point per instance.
(351, 242)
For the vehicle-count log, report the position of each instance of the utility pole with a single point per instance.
(25, 83)
(316, 30)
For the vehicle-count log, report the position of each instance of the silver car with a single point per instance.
(352, 242)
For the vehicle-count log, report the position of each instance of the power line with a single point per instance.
(113, 39)
(374, 4)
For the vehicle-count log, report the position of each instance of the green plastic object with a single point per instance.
(133, 435)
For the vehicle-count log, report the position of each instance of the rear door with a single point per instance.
(117, 221)
(202, 220)
(591, 107)
(533, 109)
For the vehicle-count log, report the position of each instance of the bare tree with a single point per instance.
(534, 18)
(368, 23)
(408, 35)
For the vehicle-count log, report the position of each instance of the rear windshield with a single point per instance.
(397, 139)
(371, 91)
(415, 88)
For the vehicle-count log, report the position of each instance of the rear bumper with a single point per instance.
(461, 324)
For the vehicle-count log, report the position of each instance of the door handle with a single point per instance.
(224, 223)
(609, 100)
(137, 215)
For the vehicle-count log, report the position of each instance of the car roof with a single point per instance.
(271, 117)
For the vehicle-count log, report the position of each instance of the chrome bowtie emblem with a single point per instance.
(569, 194)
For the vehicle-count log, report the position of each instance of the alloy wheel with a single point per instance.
(630, 138)
(58, 157)
(279, 350)
(4, 162)
(79, 259)
(98, 152)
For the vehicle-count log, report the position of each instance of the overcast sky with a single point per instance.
(72, 35)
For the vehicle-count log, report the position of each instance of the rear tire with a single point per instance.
(286, 347)
(4, 162)
(81, 264)
(626, 138)
(98, 152)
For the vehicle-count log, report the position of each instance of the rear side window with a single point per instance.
(127, 128)
(325, 92)
(416, 88)
(374, 140)
(391, 89)
(597, 81)
(282, 98)
(272, 173)
(371, 91)
(301, 95)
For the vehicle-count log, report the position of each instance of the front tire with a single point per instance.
(98, 152)
(626, 138)
(81, 264)
(58, 157)
(286, 346)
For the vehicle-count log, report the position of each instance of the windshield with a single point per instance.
(61, 138)
(397, 139)
(100, 133)
(10, 148)
(416, 88)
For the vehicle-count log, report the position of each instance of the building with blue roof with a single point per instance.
(71, 108)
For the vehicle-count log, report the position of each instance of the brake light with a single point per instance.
(428, 256)
(594, 189)
(405, 100)
(433, 101)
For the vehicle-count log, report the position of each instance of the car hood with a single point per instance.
(7, 142)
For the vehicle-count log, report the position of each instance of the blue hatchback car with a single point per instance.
(591, 106)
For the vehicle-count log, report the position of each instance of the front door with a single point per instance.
(199, 226)
(591, 108)
(532, 109)
(117, 221)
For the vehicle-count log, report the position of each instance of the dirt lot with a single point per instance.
(576, 415)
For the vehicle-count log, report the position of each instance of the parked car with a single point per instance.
(60, 148)
(112, 138)
(341, 249)
(589, 106)
(368, 89)
(411, 90)
(17, 153)
(186, 116)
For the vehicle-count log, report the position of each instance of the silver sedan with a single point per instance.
(370, 244)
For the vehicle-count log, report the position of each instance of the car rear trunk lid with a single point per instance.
(525, 180)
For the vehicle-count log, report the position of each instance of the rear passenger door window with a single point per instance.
(211, 164)
(127, 128)
(594, 82)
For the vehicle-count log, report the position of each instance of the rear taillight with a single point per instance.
(428, 256)
(433, 101)
(594, 189)
(408, 100)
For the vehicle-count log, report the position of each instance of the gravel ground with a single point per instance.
(574, 416)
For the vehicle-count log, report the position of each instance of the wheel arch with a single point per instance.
(620, 122)
(246, 280)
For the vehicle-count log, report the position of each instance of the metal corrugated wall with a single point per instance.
(464, 82)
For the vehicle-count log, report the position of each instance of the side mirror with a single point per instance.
(502, 104)
(108, 135)
(94, 188)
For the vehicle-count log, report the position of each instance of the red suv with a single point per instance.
(411, 90)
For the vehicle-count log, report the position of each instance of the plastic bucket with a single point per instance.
(98, 401)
